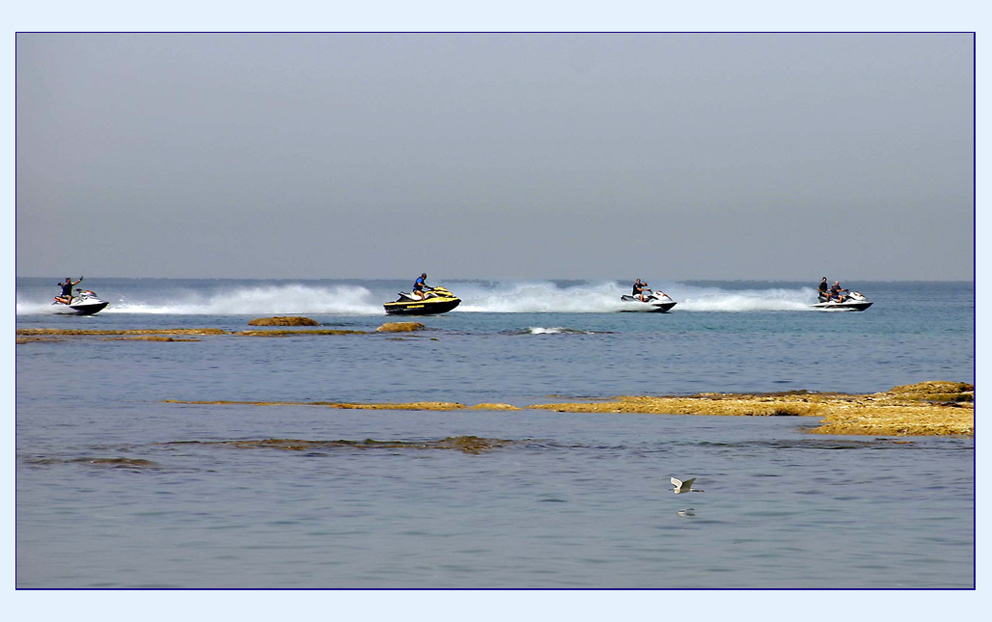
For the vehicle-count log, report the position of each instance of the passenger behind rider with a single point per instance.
(824, 289)
(419, 285)
(66, 295)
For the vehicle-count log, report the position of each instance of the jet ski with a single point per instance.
(653, 301)
(85, 302)
(436, 300)
(853, 301)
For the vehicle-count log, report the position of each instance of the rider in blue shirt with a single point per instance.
(837, 292)
(419, 285)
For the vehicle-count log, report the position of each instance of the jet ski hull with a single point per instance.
(437, 300)
(88, 309)
(422, 307)
(84, 304)
(855, 301)
(842, 306)
(633, 304)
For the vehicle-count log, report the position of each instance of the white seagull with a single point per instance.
(685, 486)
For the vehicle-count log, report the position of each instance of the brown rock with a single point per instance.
(283, 321)
(400, 327)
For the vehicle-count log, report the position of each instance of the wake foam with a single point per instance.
(275, 299)
(257, 300)
(604, 297)
(539, 297)
(707, 299)
(477, 297)
(34, 308)
(556, 330)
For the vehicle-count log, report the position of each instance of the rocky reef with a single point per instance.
(925, 409)
(28, 335)
(283, 321)
(400, 327)
(465, 444)
(297, 333)
(147, 338)
(492, 406)
(340, 405)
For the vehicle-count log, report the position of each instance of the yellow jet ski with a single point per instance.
(436, 300)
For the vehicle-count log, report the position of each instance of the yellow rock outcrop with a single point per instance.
(400, 327)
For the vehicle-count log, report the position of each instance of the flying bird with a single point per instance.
(685, 486)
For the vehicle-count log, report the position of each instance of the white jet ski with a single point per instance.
(853, 301)
(653, 301)
(85, 302)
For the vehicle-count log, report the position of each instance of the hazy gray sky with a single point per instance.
(667, 156)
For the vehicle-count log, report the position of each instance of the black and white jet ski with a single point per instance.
(852, 301)
(435, 300)
(653, 301)
(85, 302)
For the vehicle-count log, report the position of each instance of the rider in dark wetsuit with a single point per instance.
(824, 290)
(67, 289)
(638, 289)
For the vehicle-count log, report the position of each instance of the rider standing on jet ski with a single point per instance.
(67, 289)
(419, 285)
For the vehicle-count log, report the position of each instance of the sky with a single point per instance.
(496, 155)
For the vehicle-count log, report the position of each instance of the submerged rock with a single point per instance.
(297, 333)
(138, 331)
(283, 321)
(466, 444)
(340, 405)
(147, 338)
(46, 339)
(400, 327)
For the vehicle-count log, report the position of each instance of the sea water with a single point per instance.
(120, 484)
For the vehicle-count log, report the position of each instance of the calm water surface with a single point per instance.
(118, 488)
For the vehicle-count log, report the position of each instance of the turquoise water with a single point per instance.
(117, 488)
